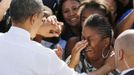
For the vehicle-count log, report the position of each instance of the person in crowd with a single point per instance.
(68, 15)
(86, 9)
(124, 52)
(20, 55)
(98, 32)
(123, 6)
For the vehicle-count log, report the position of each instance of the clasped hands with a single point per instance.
(51, 27)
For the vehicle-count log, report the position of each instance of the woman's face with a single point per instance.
(70, 8)
(88, 12)
(93, 52)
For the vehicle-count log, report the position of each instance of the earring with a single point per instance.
(105, 56)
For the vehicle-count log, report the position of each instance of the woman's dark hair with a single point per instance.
(101, 24)
(95, 5)
(60, 14)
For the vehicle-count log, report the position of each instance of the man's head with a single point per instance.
(124, 50)
(26, 14)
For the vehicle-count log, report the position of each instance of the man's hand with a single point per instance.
(110, 62)
(75, 55)
(51, 27)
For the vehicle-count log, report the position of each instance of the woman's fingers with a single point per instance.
(80, 46)
(76, 53)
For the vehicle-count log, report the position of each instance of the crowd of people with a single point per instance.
(66, 37)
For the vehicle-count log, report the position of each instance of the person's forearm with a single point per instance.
(4, 5)
(71, 64)
(103, 70)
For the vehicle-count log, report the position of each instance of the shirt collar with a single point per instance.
(125, 71)
(20, 32)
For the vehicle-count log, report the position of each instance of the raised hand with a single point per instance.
(51, 27)
(75, 55)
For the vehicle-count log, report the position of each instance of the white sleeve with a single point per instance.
(59, 67)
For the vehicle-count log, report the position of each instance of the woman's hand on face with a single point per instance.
(51, 27)
(75, 55)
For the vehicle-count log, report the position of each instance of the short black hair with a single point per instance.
(20, 10)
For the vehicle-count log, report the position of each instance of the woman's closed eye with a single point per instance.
(75, 8)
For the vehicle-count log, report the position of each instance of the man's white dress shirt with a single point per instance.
(21, 56)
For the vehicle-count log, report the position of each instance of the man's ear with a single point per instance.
(121, 54)
(33, 18)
